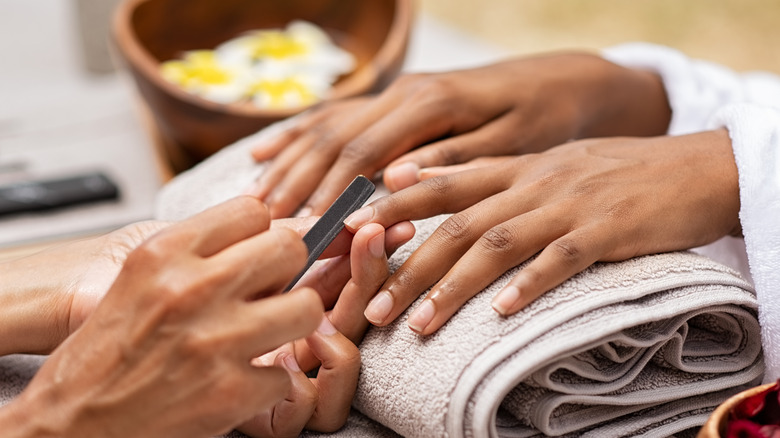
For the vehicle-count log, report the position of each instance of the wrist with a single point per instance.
(33, 313)
(619, 101)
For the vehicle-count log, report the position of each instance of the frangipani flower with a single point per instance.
(272, 68)
(201, 73)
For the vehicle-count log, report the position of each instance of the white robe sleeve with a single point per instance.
(704, 96)
(755, 138)
(696, 89)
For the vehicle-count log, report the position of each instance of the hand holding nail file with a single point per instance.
(332, 222)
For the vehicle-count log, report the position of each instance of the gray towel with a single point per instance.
(645, 347)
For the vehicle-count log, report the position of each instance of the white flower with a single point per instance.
(273, 68)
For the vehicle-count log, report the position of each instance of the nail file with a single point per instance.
(332, 222)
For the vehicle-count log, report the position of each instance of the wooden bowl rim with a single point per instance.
(711, 428)
(358, 82)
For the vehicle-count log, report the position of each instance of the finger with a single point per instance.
(299, 169)
(432, 172)
(369, 271)
(223, 225)
(269, 323)
(329, 277)
(396, 133)
(439, 253)
(269, 147)
(279, 167)
(260, 388)
(500, 248)
(444, 194)
(340, 245)
(487, 140)
(350, 299)
(263, 264)
(559, 261)
(299, 182)
(337, 378)
(289, 416)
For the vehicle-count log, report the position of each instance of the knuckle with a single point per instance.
(446, 156)
(155, 250)
(440, 186)
(360, 152)
(433, 89)
(455, 228)
(499, 239)
(308, 397)
(327, 138)
(568, 251)
(196, 345)
(408, 81)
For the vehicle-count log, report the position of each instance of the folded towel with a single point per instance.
(644, 347)
(647, 346)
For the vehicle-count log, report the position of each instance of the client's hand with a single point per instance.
(514, 107)
(167, 352)
(586, 201)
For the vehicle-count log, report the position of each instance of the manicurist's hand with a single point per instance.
(168, 351)
(513, 107)
(46, 296)
(582, 202)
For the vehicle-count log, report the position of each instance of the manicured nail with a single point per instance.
(304, 212)
(379, 308)
(402, 176)
(256, 189)
(291, 363)
(431, 172)
(326, 327)
(506, 299)
(359, 218)
(376, 246)
(422, 316)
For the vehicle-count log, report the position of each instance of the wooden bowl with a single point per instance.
(148, 32)
(715, 427)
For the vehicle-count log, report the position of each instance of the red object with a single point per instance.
(757, 416)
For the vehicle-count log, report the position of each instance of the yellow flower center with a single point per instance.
(278, 90)
(275, 44)
(198, 68)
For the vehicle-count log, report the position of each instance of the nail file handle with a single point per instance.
(332, 222)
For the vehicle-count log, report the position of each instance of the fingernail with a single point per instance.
(379, 308)
(304, 212)
(402, 176)
(291, 363)
(506, 299)
(422, 316)
(376, 246)
(430, 172)
(326, 327)
(359, 218)
(256, 189)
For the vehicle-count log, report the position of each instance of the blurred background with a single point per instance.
(64, 110)
(742, 34)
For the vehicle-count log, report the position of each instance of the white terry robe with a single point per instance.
(705, 96)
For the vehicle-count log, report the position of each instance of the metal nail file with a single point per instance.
(332, 222)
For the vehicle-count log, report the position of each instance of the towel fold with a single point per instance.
(645, 347)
